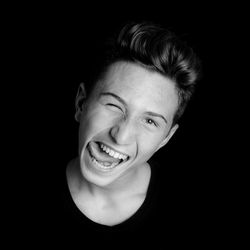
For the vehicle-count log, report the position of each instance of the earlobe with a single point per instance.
(79, 101)
(170, 134)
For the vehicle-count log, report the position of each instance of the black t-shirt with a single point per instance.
(138, 224)
(171, 211)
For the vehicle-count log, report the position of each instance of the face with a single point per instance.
(125, 121)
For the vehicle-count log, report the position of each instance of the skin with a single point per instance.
(119, 113)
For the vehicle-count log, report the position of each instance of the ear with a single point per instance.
(170, 134)
(79, 101)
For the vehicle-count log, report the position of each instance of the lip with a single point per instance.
(103, 170)
(113, 149)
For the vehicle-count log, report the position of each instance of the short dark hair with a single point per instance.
(156, 49)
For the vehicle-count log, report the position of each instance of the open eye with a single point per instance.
(151, 122)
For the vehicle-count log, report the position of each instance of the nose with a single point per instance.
(122, 133)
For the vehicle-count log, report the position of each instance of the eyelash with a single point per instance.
(154, 123)
(147, 119)
(113, 105)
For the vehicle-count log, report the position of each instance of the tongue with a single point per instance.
(100, 155)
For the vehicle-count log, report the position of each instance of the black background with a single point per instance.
(47, 50)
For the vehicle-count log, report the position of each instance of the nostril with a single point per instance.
(122, 133)
(113, 132)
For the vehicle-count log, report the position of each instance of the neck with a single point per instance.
(125, 184)
(133, 181)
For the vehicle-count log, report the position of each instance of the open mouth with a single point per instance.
(104, 157)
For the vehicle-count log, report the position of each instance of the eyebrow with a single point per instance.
(157, 115)
(115, 96)
(118, 98)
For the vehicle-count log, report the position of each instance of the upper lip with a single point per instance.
(113, 148)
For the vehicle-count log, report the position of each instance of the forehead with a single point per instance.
(140, 87)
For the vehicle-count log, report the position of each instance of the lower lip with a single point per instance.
(98, 166)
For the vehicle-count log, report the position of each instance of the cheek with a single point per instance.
(93, 121)
(148, 144)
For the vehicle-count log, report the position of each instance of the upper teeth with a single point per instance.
(113, 153)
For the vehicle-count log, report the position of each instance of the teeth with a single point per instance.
(104, 166)
(112, 153)
(116, 155)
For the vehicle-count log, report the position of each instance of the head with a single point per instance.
(135, 102)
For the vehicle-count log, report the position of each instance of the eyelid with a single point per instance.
(155, 123)
(114, 105)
